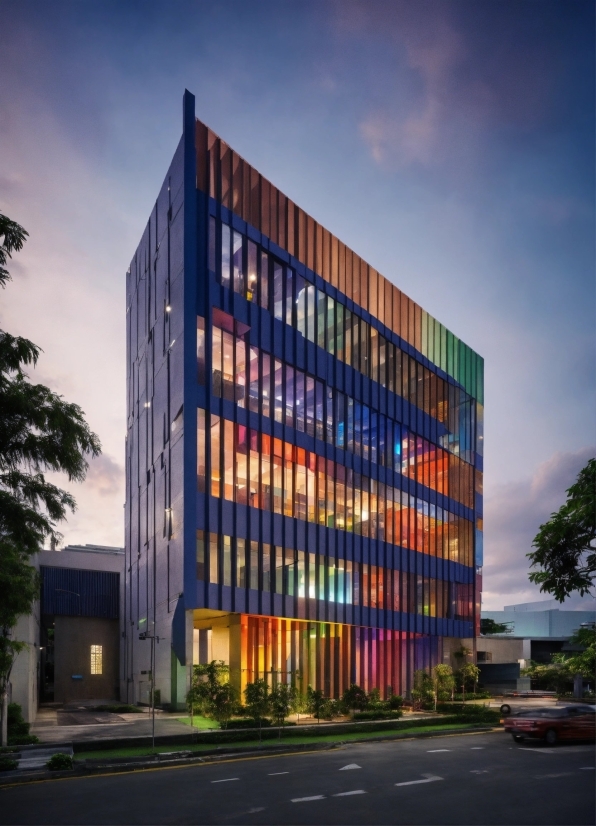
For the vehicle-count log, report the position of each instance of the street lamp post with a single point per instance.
(153, 638)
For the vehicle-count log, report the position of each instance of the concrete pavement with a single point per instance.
(68, 725)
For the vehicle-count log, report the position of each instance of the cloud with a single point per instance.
(513, 513)
(105, 476)
(450, 78)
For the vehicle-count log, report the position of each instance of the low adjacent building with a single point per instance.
(74, 631)
(537, 630)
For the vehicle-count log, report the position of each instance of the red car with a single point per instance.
(553, 724)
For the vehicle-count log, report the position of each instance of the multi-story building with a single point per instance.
(304, 450)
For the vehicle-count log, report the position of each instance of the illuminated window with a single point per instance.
(97, 659)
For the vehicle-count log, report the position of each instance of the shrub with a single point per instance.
(330, 709)
(18, 728)
(59, 762)
(7, 763)
(249, 722)
(378, 714)
(395, 702)
(472, 714)
(354, 698)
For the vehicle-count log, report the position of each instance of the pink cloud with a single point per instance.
(458, 90)
(513, 514)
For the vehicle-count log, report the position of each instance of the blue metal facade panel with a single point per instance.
(76, 593)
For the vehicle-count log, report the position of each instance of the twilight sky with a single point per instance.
(451, 144)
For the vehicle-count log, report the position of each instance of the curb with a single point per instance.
(185, 759)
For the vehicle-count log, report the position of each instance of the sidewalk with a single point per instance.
(63, 725)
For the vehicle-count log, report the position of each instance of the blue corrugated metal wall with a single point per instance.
(76, 593)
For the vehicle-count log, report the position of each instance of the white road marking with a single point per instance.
(479, 771)
(436, 751)
(476, 748)
(538, 751)
(347, 794)
(561, 774)
(350, 766)
(430, 779)
(256, 809)
(225, 780)
(587, 768)
(305, 799)
(274, 774)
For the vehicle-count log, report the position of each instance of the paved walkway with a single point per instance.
(64, 726)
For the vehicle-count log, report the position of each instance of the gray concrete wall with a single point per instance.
(504, 650)
(24, 678)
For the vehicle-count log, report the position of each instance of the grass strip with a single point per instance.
(294, 740)
(200, 723)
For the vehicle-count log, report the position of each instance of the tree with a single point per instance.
(223, 703)
(553, 676)
(282, 700)
(13, 237)
(489, 626)
(207, 678)
(39, 432)
(565, 551)
(315, 700)
(467, 674)
(443, 682)
(584, 662)
(257, 701)
(354, 698)
(423, 690)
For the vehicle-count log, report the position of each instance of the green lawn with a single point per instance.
(202, 723)
(294, 740)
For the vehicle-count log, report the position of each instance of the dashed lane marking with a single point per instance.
(428, 779)
(306, 799)
(349, 766)
(476, 748)
(560, 774)
(538, 751)
(436, 751)
(225, 780)
(349, 794)
(587, 768)
(275, 774)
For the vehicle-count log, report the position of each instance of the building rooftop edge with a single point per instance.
(205, 184)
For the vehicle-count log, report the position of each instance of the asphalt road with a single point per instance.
(460, 780)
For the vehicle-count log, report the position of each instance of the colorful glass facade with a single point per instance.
(304, 473)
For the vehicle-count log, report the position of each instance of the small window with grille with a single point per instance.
(97, 659)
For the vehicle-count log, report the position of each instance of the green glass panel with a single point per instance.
(431, 339)
(424, 336)
(450, 353)
(437, 358)
(480, 380)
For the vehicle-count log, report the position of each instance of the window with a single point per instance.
(237, 263)
(201, 568)
(289, 296)
(225, 255)
(251, 293)
(97, 659)
(264, 280)
(278, 290)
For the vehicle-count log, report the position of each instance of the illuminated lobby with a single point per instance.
(304, 448)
